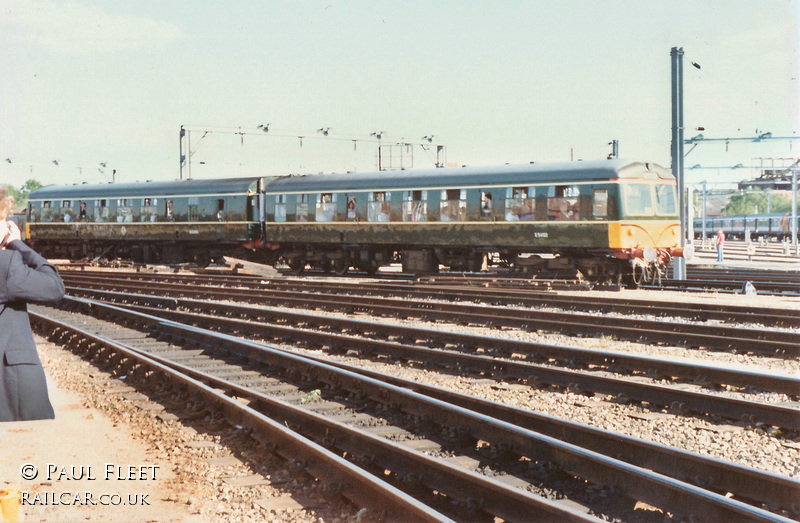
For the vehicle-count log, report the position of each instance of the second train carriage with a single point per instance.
(609, 219)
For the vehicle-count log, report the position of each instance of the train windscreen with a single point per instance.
(665, 200)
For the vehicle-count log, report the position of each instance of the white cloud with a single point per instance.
(73, 28)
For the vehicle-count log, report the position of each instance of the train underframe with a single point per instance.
(593, 266)
(613, 267)
(141, 252)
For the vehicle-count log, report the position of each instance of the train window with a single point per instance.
(280, 207)
(193, 213)
(124, 211)
(326, 207)
(415, 206)
(351, 208)
(665, 200)
(453, 206)
(302, 207)
(600, 204)
(486, 204)
(147, 210)
(66, 211)
(519, 204)
(378, 206)
(101, 212)
(638, 201)
(168, 211)
(562, 203)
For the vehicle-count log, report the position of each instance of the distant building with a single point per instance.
(777, 178)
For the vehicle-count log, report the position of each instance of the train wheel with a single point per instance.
(202, 260)
(297, 265)
(340, 266)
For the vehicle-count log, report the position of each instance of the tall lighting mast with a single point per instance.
(679, 272)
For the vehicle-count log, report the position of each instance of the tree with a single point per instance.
(752, 202)
(21, 195)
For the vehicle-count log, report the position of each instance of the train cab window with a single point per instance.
(519, 204)
(600, 204)
(562, 203)
(31, 212)
(638, 201)
(147, 211)
(124, 211)
(453, 205)
(221, 210)
(101, 210)
(302, 208)
(280, 207)
(665, 200)
(193, 213)
(326, 207)
(415, 206)
(379, 208)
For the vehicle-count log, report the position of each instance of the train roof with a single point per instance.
(148, 189)
(505, 175)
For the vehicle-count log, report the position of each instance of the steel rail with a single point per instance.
(496, 498)
(537, 375)
(615, 361)
(781, 344)
(757, 486)
(696, 311)
(352, 482)
(746, 483)
(636, 482)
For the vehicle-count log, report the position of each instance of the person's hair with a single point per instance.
(6, 202)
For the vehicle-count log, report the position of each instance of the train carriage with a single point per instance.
(608, 219)
(603, 218)
(167, 222)
(770, 226)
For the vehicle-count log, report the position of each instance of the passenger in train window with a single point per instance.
(383, 216)
(28, 277)
(486, 204)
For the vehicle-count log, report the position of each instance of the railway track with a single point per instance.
(421, 453)
(768, 341)
(589, 370)
(467, 291)
(733, 280)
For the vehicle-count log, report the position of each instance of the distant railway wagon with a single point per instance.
(609, 219)
(777, 226)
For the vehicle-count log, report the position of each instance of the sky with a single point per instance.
(92, 86)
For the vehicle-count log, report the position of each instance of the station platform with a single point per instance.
(82, 466)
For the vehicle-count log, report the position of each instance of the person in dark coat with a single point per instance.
(25, 276)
